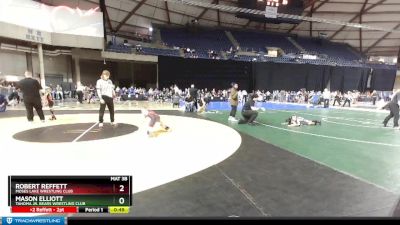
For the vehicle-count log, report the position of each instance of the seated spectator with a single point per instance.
(59, 92)
(139, 48)
(126, 44)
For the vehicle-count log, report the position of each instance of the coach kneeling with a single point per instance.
(249, 115)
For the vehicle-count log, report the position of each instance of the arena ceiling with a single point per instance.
(126, 17)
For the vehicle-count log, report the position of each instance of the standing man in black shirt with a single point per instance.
(249, 112)
(31, 92)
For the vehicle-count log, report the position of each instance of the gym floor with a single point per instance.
(348, 166)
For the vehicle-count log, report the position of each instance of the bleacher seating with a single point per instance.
(201, 41)
(329, 53)
(119, 48)
(257, 41)
(335, 51)
(158, 51)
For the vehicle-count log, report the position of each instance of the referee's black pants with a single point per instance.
(110, 105)
(249, 116)
(80, 96)
(33, 102)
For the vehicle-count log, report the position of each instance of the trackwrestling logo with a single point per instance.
(33, 220)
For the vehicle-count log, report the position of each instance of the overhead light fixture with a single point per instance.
(150, 29)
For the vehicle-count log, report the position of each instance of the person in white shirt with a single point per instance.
(244, 94)
(59, 92)
(240, 97)
(106, 93)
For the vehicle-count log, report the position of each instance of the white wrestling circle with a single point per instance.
(192, 145)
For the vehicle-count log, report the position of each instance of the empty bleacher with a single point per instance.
(159, 51)
(335, 51)
(257, 41)
(201, 41)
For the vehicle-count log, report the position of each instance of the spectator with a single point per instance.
(193, 93)
(79, 91)
(3, 103)
(233, 99)
(347, 98)
(337, 97)
(326, 95)
(374, 97)
(59, 92)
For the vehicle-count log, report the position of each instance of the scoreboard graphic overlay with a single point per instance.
(70, 194)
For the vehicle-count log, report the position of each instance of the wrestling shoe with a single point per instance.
(384, 124)
(114, 124)
(233, 119)
(252, 124)
(101, 125)
(53, 117)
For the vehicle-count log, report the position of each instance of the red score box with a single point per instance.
(34, 209)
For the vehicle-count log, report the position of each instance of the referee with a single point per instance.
(249, 112)
(393, 106)
(31, 92)
(106, 93)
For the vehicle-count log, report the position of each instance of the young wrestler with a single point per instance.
(296, 121)
(155, 124)
(48, 101)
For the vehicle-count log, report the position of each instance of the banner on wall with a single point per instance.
(53, 19)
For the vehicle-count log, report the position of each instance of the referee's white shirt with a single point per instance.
(105, 87)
